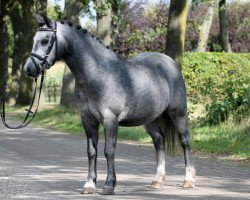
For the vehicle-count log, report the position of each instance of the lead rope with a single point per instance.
(29, 110)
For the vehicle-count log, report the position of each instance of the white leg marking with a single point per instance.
(160, 172)
(190, 174)
(89, 184)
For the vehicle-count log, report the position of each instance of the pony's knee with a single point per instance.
(91, 153)
(109, 153)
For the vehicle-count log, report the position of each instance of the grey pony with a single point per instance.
(146, 90)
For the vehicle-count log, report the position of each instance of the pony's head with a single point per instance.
(44, 50)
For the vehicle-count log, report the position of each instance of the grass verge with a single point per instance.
(64, 120)
(231, 140)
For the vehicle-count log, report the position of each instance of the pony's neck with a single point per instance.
(84, 54)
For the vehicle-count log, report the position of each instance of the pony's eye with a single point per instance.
(45, 42)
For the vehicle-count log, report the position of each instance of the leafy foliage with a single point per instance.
(239, 26)
(143, 28)
(221, 82)
(54, 12)
(238, 15)
(146, 33)
(102, 7)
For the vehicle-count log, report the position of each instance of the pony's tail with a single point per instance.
(168, 128)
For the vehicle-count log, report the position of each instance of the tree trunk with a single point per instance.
(28, 25)
(104, 21)
(4, 53)
(68, 87)
(41, 7)
(224, 39)
(176, 29)
(19, 57)
(204, 29)
(16, 20)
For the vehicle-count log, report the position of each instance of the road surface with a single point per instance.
(37, 163)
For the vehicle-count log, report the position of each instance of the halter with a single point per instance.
(41, 67)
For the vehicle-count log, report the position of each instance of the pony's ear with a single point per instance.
(42, 20)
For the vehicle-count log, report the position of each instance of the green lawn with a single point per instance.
(225, 139)
(69, 121)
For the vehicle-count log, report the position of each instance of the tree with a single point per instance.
(41, 7)
(148, 31)
(17, 21)
(224, 39)
(104, 20)
(204, 28)
(176, 30)
(239, 26)
(72, 11)
(28, 30)
(18, 12)
(4, 52)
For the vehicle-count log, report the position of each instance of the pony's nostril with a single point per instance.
(28, 72)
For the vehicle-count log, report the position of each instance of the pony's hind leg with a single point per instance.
(179, 118)
(92, 140)
(155, 132)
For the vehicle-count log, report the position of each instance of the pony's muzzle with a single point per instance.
(30, 69)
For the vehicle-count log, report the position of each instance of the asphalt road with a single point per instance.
(37, 163)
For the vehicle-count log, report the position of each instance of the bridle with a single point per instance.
(44, 64)
(41, 67)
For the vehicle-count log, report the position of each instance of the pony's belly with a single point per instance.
(143, 113)
(134, 122)
(138, 120)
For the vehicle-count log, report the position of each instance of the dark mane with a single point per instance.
(79, 27)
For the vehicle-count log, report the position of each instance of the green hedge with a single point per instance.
(220, 81)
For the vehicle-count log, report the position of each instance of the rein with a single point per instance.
(41, 67)
(29, 110)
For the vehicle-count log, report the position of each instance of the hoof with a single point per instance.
(156, 185)
(88, 190)
(188, 184)
(108, 191)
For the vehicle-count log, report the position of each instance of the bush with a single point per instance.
(221, 82)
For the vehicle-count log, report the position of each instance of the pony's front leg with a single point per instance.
(91, 130)
(110, 131)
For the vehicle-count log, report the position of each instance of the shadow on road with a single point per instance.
(36, 163)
